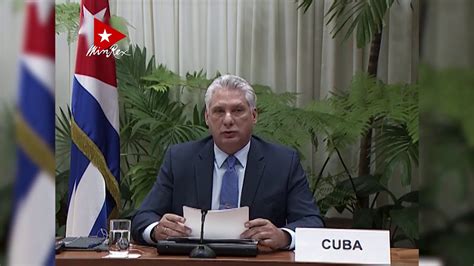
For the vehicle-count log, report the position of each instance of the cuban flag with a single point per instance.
(32, 226)
(94, 195)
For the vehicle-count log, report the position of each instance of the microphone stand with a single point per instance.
(202, 250)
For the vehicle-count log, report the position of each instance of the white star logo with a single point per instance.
(104, 36)
(87, 27)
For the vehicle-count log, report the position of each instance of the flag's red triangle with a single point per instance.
(104, 35)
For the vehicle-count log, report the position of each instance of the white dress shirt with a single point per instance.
(218, 174)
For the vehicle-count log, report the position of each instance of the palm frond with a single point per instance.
(142, 177)
(63, 138)
(365, 17)
(305, 4)
(67, 20)
(395, 147)
(198, 80)
(162, 79)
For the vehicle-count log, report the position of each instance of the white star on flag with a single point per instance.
(104, 36)
(87, 27)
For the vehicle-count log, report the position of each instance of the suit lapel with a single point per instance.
(253, 173)
(203, 173)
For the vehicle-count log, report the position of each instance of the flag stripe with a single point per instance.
(92, 184)
(89, 117)
(26, 168)
(33, 97)
(77, 168)
(102, 219)
(105, 95)
(38, 65)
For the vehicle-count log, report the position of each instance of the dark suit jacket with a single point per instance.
(275, 186)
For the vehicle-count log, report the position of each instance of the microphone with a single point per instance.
(202, 250)
(203, 218)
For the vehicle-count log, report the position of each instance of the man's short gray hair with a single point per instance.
(234, 83)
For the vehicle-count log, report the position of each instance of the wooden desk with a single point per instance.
(150, 257)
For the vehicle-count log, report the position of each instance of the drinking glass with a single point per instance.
(119, 237)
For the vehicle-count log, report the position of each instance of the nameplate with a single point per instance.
(342, 246)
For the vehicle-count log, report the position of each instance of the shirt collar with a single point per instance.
(241, 155)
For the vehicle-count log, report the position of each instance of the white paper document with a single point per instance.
(219, 224)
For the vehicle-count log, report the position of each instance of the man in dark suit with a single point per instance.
(229, 169)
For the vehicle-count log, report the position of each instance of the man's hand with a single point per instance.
(171, 225)
(269, 236)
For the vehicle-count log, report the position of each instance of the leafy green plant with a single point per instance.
(392, 112)
(388, 112)
(338, 122)
(276, 119)
(364, 17)
(67, 20)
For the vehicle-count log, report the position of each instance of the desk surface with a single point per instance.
(150, 256)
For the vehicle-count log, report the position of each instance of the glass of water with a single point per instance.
(119, 237)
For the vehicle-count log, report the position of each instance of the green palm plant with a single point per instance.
(391, 111)
(365, 19)
(339, 121)
(276, 118)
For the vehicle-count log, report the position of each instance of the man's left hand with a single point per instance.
(268, 235)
